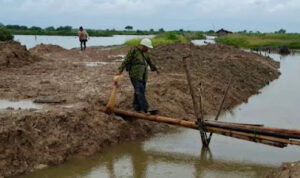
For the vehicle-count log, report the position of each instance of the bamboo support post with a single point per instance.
(196, 111)
(221, 106)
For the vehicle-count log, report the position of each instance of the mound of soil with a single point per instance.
(13, 54)
(29, 139)
(213, 66)
(58, 132)
(290, 170)
(46, 48)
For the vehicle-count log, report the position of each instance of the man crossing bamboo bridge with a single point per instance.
(136, 63)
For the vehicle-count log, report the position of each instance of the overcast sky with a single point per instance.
(235, 15)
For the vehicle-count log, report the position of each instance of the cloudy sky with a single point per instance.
(235, 15)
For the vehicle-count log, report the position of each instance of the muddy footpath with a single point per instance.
(78, 83)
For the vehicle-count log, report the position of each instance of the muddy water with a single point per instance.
(25, 104)
(179, 154)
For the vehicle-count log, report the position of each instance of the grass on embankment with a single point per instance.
(169, 38)
(260, 40)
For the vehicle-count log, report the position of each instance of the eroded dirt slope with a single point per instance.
(13, 54)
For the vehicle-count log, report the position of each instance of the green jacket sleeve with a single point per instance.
(126, 61)
(150, 63)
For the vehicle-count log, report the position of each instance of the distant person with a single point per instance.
(136, 63)
(83, 37)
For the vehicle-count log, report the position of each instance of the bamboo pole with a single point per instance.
(111, 102)
(234, 123)
(196, 111)
(221, 106)
(282, 133)
(254, 137)
(200, 103)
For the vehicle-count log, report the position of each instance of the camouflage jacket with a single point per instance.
(136, 63)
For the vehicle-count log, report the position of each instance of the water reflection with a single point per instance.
(135, 160)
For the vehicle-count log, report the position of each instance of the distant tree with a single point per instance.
(35, 28)
(181, 30)
(13, 27)
(1, 24)
(161, 30)
(64, 28)
(51, 28)
(140, 32)
(210, 31)
(23, 27)
(151, 30)
(281, 31)
(5, 35)
(128, 27)
(258, 32)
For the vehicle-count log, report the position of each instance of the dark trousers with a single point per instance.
(139, 102)
(82, 44)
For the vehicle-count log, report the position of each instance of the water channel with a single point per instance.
(70, 42)
(178, 153)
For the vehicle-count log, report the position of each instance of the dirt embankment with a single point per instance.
(287, 170)
(12, 54)
(29, 138)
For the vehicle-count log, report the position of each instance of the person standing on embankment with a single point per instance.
(83, 37)
(136, 63)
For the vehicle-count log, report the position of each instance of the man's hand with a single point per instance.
(119, 73)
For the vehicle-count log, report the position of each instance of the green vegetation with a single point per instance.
(5, 35)
(179, 35)
(69, 31)
(169, 38)
(252, 40)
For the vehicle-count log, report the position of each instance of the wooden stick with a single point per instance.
(223, 99)
(49, 101)
(200, 103)
(196, 111)
(112, 99)
(234, 123)
(254, 137)
(282, 133)
(251, 139)
(221, 106)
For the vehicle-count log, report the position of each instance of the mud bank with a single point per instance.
(290, 170)
(58, 132)
(12, 54)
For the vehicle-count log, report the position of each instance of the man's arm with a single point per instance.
(87, 35)
(150, 63)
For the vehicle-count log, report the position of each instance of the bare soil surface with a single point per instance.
(58, 132)
(287, 170)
